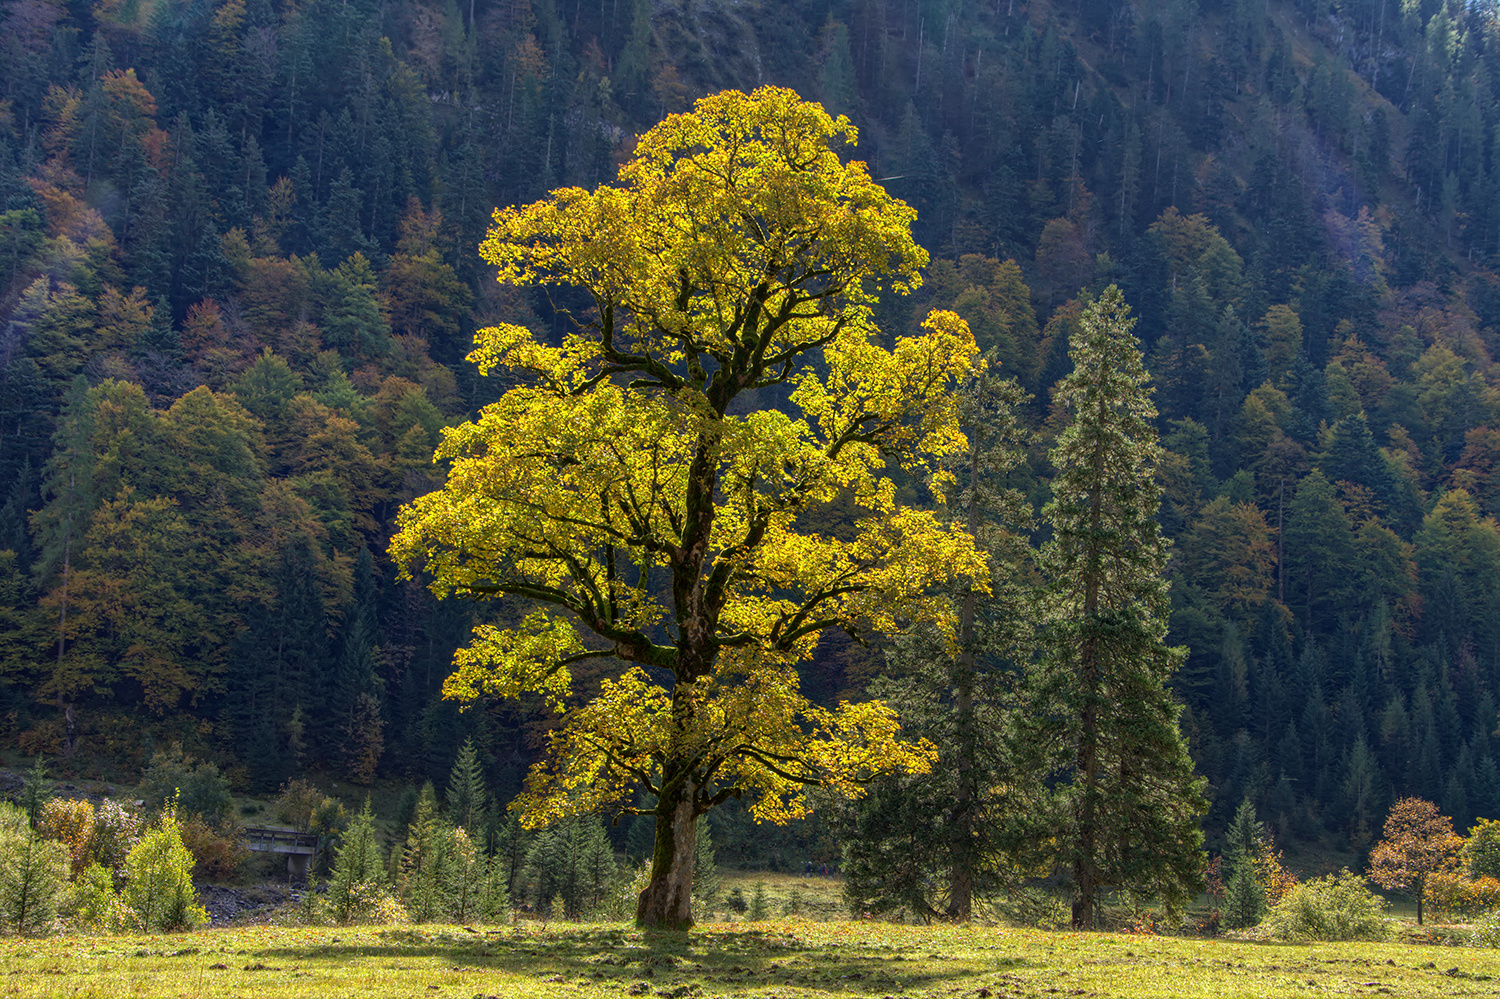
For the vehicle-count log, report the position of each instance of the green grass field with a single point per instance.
(782, 959)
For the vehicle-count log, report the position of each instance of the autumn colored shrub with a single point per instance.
(69, 821)
(1270, 874)
(298, 803)
(1455, 894)
(216, 854)
(117, 829)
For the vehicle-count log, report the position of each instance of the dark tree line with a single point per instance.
(238, 278)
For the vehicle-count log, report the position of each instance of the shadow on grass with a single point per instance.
(764, 958)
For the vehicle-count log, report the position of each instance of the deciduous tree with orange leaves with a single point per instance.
(1419, 842)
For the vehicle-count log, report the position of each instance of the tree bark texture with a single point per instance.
(666, 903)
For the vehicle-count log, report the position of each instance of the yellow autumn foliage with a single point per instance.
(645, 492)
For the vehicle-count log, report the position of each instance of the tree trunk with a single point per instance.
(1085, 873)
(961, 900)
(666, 902)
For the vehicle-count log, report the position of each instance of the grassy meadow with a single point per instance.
(786, 959)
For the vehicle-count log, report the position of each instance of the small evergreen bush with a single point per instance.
(760, 906)
(33, 875)
(358, 882)
(625, 894)
(1336, 907)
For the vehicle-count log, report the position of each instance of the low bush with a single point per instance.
(217, 855)
(102, 835)
(364, 903)
(117, 829)
(1450, 893)
(1336, 907)
(94, 904)
(625, 893)
(1486, 930)
(1026, 905)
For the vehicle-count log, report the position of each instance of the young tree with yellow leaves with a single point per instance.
(640, 494)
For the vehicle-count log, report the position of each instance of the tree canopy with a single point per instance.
(646, 502)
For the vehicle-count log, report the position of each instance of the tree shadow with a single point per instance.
(663, 961)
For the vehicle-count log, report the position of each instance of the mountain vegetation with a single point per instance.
(240, 274)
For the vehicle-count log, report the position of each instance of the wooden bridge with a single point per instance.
(298, 847)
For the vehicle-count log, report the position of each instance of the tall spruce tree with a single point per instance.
(1126, 779)
(931, 843)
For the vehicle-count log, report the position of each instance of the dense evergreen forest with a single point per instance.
(240, 277)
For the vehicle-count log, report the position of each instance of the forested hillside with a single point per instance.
(240, 275)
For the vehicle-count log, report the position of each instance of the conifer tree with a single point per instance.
(358, 868)
(426, 862)
(33, 874)
(37, 790)
(468, 798)
(572, 863)
(707, 882)
(1244, 898)
(1126, 779)
(468, 872)
(896, 856)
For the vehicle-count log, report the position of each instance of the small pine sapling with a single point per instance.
(760, 906)
(37, 790)
(358, 871)
(426, 860)
(33, 874)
